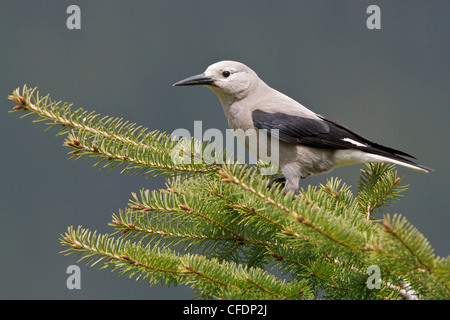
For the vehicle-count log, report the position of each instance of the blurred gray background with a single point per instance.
(390, 85)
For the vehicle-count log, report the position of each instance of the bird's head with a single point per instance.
(228, 79)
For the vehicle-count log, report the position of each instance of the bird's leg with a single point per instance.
(279, 180)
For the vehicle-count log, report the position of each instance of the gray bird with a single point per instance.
(308, 142)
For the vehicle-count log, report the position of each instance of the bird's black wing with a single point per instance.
(317, 133)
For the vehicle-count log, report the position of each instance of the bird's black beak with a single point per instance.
(199, 79)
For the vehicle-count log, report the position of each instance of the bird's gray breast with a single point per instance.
(239, 117)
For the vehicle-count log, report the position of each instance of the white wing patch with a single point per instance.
(356, 143)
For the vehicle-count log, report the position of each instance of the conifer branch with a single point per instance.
(139, 206)
(210, 278)
(220, 225)
(109, 139)
(127, 228)
(218, 229)
(266, 290)
(88, 244)
(388, 228)
(228, 177)
(58, 114)
(378, 186)
(249, 211)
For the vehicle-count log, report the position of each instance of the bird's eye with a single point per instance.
(226, 74)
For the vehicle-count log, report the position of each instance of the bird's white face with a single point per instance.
(230, 78)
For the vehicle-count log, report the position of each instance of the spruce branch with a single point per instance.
(191, 222)
(410, 239)
(110, 140)
(379, 185)
(160, 265)
(218, 229)
(130, 259)
(305, 204)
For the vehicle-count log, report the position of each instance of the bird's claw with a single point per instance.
(279, 180)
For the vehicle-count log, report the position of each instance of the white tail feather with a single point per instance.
(346, 157)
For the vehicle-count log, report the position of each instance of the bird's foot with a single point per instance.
(281, 181)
